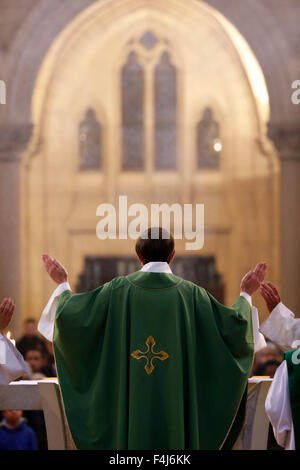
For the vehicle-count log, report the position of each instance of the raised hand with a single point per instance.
(7, 309)
(270, 294)
(260, 271)
(253, 279)
(55, 270)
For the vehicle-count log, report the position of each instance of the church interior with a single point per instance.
(180, 101)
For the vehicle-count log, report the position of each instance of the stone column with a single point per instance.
(13, 141)
(287, 142)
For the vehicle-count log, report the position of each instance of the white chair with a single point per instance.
(40, 395)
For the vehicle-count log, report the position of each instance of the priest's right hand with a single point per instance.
(253, 279)
(7, 309)
(270, 295)
(55, 270)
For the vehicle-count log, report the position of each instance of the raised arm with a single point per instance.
(250, 283)
(60, 276)
(281, 326)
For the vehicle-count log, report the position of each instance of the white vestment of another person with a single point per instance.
(278, 409)
(282, 328)
(12, 364)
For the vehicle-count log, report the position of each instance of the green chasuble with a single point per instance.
(151, 361)
(293, 367)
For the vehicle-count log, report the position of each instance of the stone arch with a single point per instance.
(49, 89)
(89, 14)
(47, 20)
(257, 23)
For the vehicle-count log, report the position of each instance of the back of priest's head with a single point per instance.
(155, 244)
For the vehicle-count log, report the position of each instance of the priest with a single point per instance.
(12, 364)
(283, 400)
(149, 360)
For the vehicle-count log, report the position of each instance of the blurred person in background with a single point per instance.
(49, 368)
(269, 368)
(30, 339)
(34, 359)
(15, 434)
(270, 353)
(41, 363)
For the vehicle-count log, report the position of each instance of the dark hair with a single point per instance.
(34, 350)
(155, 244)
(270, 363)
(261, 369)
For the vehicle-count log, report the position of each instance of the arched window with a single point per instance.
(90, 149)
(132, 114)
(208, 142)
(165, 114)
(149, 80)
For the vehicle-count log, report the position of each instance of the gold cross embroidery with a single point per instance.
(150, 355)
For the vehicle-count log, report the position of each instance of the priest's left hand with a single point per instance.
(7, 309)
(253, 279)
(55, 270)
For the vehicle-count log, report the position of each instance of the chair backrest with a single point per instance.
(256, 429)
(40, 395)
(58, 433)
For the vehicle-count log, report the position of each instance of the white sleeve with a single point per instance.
(259, 340)
(278, 409)
(46, 323)
(247, 297)
(12, 364)
(282, 327)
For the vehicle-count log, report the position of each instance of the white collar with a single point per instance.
(157, 267)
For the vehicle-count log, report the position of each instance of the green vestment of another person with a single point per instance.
(151, 361)
(293, 367)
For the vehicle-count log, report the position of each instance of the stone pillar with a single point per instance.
(287, 142)
(13, 141)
